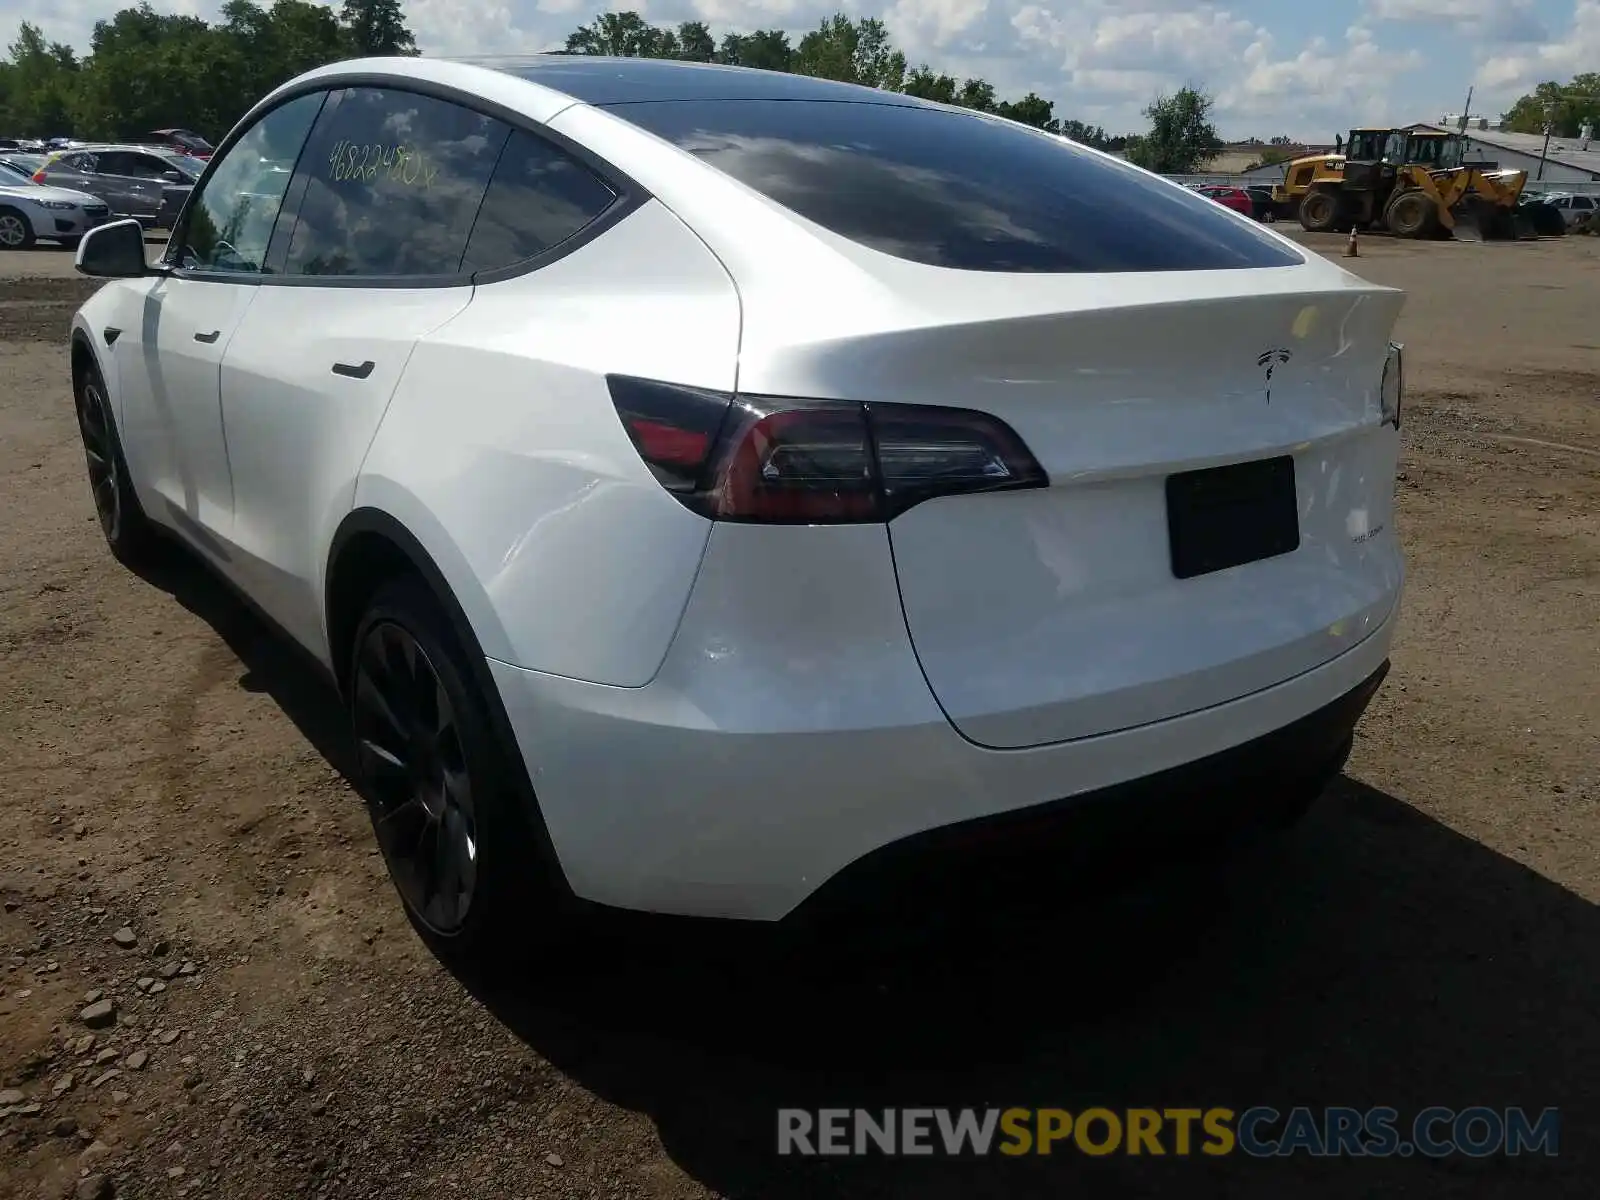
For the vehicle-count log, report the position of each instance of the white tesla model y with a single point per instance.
(700, 481)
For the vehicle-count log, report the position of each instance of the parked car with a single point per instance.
(186, 141)
(1535, 212)
(904, 514)
(1575, 210)
(29, 211)
(1262, 207)
(1229, 197)
(144, 182)
(20, 163)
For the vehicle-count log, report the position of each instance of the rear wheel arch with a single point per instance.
(369, 547)
(372, 547)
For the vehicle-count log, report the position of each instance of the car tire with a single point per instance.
(128, 532)
(16, 231)
(449, 820)
(1320, 210)
(1411, 215)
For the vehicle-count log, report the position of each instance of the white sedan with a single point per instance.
(704, 484)
(1575, 210)
(30, 211)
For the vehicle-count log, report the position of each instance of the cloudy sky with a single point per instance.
(1295, 67)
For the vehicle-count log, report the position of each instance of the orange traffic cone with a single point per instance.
(1351, 249)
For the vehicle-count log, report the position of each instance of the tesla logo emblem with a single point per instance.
(1272, 360)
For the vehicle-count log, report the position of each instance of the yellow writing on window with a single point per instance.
(373, 161)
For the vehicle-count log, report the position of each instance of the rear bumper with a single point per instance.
(659, 800)
(1122, 827)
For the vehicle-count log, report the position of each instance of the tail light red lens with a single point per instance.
(789, 462)
(673, 428)
(780, 461)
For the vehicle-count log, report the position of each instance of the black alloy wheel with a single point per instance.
(409, 736)
(100, 455)
(129, 533)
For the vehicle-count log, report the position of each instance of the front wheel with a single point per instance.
(448, 819)
(16, 231)
(127, 530)
(1411, 215)
(1319, 211)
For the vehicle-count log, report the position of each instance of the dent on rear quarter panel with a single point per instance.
(503, 429)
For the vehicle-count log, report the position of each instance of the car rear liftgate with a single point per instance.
(1217, 520)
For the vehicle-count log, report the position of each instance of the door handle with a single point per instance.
(352, 371)
(208, 337)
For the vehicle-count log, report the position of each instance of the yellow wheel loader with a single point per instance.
(1414, 184)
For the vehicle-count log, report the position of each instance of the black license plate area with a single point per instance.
(1224, 517)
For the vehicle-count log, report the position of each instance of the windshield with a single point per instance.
(1365, 145)
(12, 173)
(1426, 151)
(25, 163)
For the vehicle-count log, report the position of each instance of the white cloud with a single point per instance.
(1334, 85)
(476, 26)
(933, 22)
(1504, 77)
(1273, 68)
(1311, 89)
(1489, 20)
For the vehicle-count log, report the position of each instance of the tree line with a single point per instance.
(1180, 139)
(1562, 108)
(147, 70)
(851, 51)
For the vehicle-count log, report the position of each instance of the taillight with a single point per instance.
(762, 459)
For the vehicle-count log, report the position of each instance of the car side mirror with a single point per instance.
(172, 176)
(114, 251)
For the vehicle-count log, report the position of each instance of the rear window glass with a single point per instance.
(954, 190)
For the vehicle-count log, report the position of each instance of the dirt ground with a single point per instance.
(1428, 935)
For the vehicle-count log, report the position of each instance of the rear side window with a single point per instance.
(956, 190)
(394, 181)
(139, 166)
(539, 198)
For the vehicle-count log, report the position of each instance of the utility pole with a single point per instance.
(1465, 113)
(1551, 103)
